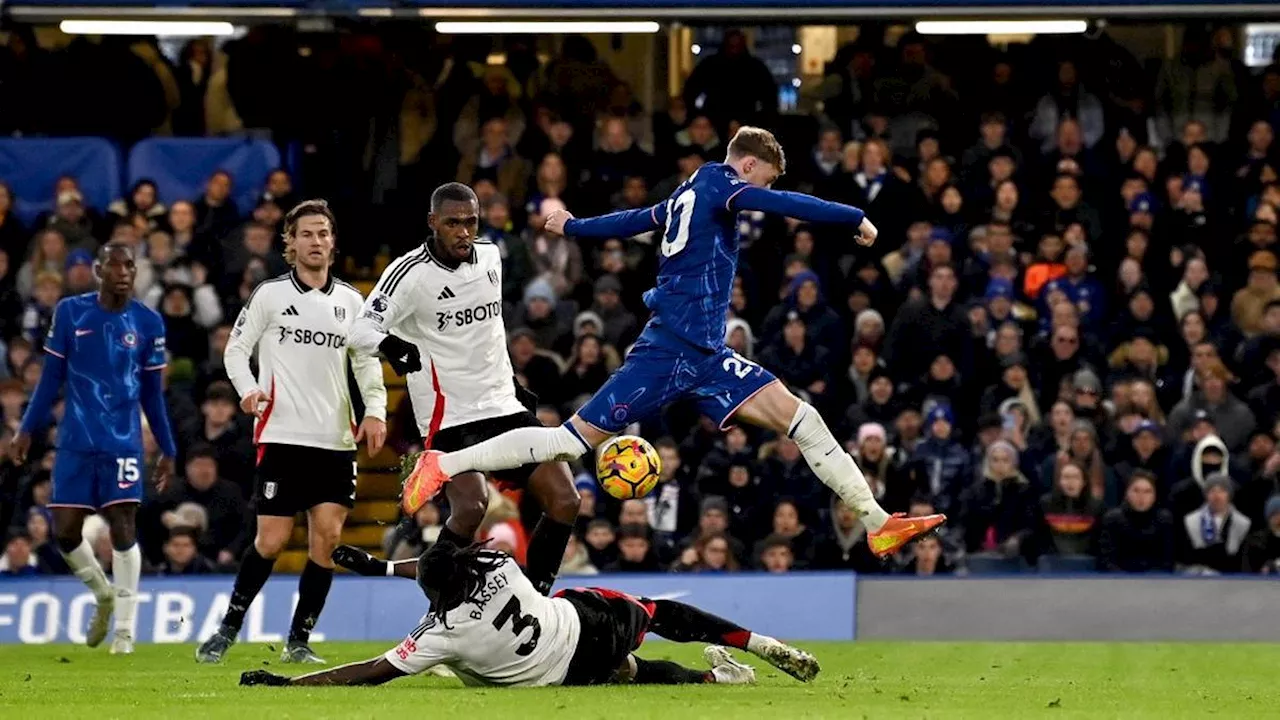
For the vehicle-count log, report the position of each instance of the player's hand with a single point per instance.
(867, 233)
(163, 471)
(374, 432)
(254, 402)
(358, 561)
(19, 446)
(262, 677)
(403, 356)
(556, 220)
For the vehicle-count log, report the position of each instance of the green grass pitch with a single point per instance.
(875, 680)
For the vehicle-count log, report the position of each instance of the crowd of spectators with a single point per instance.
(1067, 337)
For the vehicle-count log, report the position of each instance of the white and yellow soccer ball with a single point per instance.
(628, 467)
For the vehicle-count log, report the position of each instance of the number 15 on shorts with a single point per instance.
(127, 472)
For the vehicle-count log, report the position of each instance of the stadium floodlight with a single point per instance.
(1001, 27)
(161, 28)
(586, 27)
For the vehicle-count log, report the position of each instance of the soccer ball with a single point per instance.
(628, 467)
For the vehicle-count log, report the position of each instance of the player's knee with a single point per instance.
(124, 532)
(564, 505)
(69, 538)
(323, 539)
(269, 545)
(467, 514)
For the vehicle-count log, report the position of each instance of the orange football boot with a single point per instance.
(900, 530)
(423, 482)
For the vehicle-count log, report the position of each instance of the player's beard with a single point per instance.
(306, 263)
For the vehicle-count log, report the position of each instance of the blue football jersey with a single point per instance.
(106, 353)
(698, 257)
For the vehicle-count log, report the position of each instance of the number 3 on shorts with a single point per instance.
(739, 366)
(126, 470)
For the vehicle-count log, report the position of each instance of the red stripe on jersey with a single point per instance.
(262, 422)
(437, 412)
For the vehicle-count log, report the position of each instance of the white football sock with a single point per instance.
(834, 467)
(522, 446)
(85, 566)
(126, 567)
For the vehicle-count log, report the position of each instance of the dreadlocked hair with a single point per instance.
(457, 574)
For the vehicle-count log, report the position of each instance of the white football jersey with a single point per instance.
(300, 335)
(454, 316)
(515, 636)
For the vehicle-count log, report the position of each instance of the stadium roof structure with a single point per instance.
(253, 11)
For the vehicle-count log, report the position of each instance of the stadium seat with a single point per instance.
(983, 564)
(375, 511)
(181, 166)
(291, 561)
(31, 166)
(1067, 564)
(378, 486)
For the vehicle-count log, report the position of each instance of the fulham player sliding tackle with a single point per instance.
(490, 626)
(682, 354)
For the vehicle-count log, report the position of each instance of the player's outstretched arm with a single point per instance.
(802, 207)
(52, 374)
(621, 224)
(375, 671)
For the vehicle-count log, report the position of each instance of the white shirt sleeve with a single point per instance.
(368, 372)
(249, 327)
(392, 299)
(427, 646)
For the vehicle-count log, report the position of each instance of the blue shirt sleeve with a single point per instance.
(52, 373)
(152, 396)
(58, 341)
(794, 205)
(622, 224)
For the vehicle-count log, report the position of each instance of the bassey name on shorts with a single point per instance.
(463, 318)
(307, 336)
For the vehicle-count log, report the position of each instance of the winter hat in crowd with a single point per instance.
(1143, 202)
(1017, 359)
(941, 234)
(714, 503)
(939, 412)
(866, 317)
(1221, 480)
(584, 318)
(999, 287)
(540, 289)
(1147, 426)
(584, 482)
(1202, 415)
(800, 279)
(79, 257)
(608, 283)
(1272, 507)
(1086, 380)
(871, 429)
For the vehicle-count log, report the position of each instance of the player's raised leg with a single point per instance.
(773, 407)
(511, 449)
(647, 380)
(67, 523)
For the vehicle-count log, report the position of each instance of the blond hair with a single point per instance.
(758, 143)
